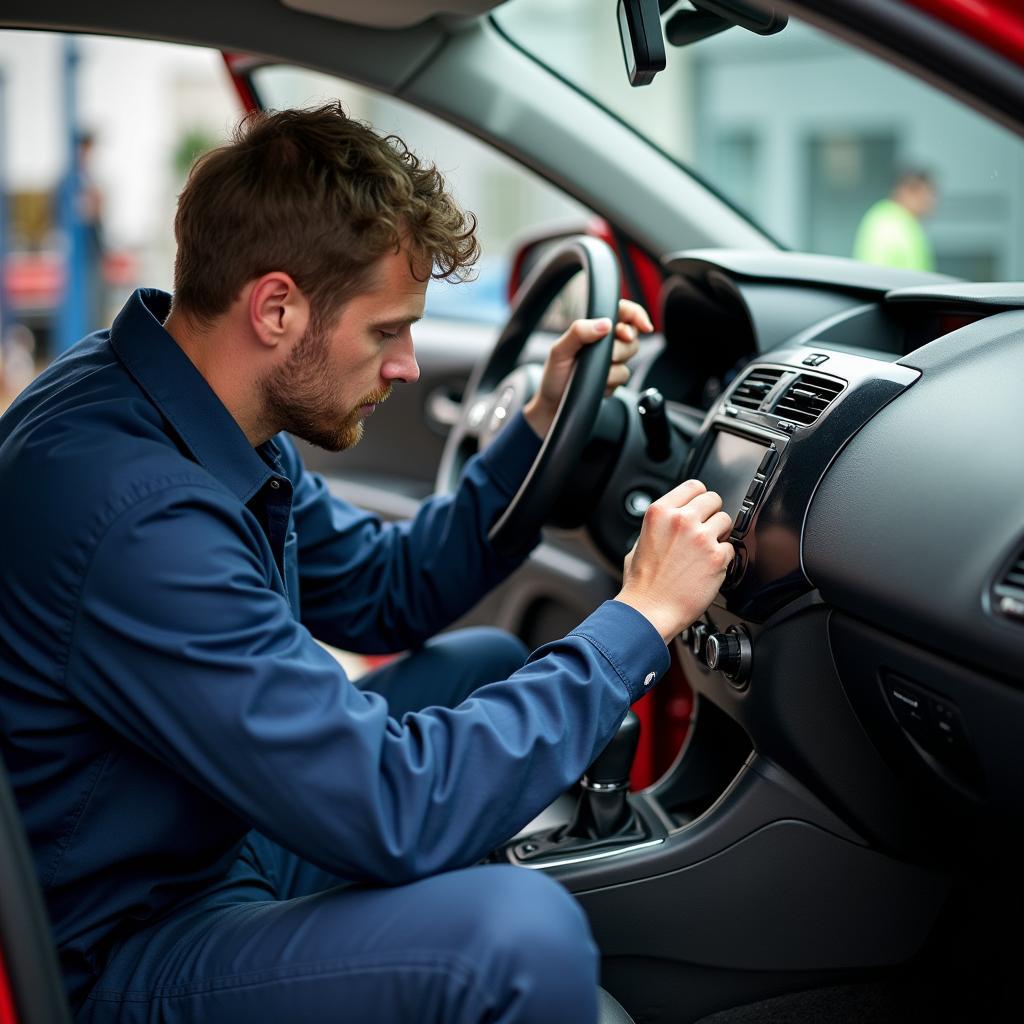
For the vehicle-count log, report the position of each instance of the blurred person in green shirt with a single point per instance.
(891, 234)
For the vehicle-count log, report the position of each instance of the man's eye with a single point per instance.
(385, 336)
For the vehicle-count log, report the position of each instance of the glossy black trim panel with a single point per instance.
(774, 573)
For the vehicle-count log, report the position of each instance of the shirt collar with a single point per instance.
(181, 393)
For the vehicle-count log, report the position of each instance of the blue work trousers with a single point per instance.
(284, 941)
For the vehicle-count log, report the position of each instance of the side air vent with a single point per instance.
(807, 398)
(751, 391)
(1008, 592)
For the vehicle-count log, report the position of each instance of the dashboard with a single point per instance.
(864, 428)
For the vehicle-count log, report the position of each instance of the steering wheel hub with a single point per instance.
(507, 399)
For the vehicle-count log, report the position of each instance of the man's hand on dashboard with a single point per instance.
(679, 561)
(540, 410)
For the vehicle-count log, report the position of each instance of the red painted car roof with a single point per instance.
(996, 24)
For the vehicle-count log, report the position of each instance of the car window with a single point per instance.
(511, 204)
(76, 244)
(808, 135)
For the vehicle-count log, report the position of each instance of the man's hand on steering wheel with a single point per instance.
(540, 410)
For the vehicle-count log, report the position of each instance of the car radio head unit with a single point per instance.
(737, 466)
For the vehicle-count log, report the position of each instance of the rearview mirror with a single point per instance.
(643, 45)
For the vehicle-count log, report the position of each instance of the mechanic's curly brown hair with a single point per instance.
(319, 196)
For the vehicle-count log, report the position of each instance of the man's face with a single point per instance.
(918, 197)
(926, 199)
(337, 374)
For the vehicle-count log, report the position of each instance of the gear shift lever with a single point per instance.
(603, 818)
(603, 810)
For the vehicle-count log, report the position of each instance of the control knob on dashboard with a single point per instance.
(729, 652)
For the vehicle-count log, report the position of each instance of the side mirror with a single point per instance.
(642, 275)
(571, 302)
(531, 249)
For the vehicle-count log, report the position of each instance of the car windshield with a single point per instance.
(826, 148)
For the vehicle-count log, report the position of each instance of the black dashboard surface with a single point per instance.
(922, 511)
(767, 538)
(896, 508)
(915, 469)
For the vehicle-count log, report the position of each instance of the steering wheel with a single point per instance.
(498, 388)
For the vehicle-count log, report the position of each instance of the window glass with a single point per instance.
(141, 112)
(806, 134)
(76, 244)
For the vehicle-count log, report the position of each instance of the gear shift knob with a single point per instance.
(603, 809)
(604, 816)
(611, 768)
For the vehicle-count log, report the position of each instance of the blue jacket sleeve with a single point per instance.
(375, 587)
(183, 646)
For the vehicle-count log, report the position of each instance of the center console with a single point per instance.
(765, 445)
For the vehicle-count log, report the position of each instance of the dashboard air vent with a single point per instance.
(1008, 592)
(807, 398)
(752, 390)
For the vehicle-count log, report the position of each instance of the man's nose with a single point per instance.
(401, 365)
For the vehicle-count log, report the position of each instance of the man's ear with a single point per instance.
(278, 311)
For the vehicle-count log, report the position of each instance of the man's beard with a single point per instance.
(302, 397)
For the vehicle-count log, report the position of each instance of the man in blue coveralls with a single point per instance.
(225, 827)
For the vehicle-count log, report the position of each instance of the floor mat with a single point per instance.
(840, 1004)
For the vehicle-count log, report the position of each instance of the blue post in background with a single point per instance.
(72, 313)
(5, 305)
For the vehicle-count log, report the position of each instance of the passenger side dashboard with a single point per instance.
(722, 308)
(864, 425)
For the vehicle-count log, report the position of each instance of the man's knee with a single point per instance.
(472, 657)
(503, 652)
(536, 954)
